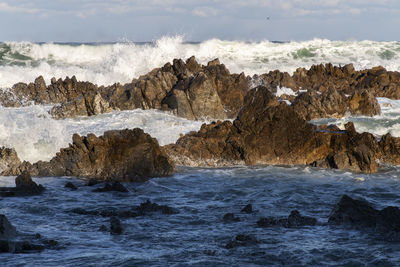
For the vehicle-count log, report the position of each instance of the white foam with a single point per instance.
(36, 136)
(284, 91)
(109, 63)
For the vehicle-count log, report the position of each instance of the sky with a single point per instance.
(198, 20)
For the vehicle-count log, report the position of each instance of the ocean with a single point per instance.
(197, 235)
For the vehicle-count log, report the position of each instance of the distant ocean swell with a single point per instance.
(108, 63)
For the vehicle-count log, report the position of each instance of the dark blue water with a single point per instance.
(197, 235)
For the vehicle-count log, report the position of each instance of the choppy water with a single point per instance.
(197, 235)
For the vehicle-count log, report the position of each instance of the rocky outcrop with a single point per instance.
(24, 186)
(126, 155)
(269, 132)
(360, 213)
(332, 104)
(378, 81)
(188, 89)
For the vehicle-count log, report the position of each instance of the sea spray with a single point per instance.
(36, 136)
(105, 64)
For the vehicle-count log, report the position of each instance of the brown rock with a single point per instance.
(9, 161)
(126, 155)
(364, 103)
(269, 132)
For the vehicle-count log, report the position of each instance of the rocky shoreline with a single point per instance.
(264, 128)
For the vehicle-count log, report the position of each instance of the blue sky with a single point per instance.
(147, 20)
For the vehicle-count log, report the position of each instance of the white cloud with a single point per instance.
(205, 11)
(5, 7)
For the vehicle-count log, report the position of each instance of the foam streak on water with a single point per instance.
(105, 64)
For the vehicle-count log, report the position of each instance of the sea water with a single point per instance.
(197, 235)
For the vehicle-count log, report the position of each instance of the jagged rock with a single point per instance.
(295, 219)
(115, 186)
(189, 89)
(377, 81)
(115, 226)
(196, 98)
(70, 186)
(269, 132)
(364, 103)
(125, 155)
(93, 104)
(9, 161)
(311, 105)
(24, 187)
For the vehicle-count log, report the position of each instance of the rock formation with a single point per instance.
(126, 155)
(269, 132)
(360, 213)
(24, 186)
(188, 89)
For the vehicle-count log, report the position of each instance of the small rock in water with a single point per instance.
(70, 186)
(230, 217)
(25, 185)
(241, 240)
(7, 230)
(295, 219)
(93, 182)
(115, 186)
(247, 209)
(115, 226)
(103, 228)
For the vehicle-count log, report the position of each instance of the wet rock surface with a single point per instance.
(71, 186)
(126, 155)
(324, 77)
(11, 242)
(269, 132)
(295, 219)
(24, 186)
(188, 89)
(360, 213)
(143, 209)
(109, 187)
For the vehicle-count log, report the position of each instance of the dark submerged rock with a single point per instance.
(359, 213)
(7, 230)
(247, 209)
(295, 219)
(230, 217)
(241, 240)
(70, 186)
(115, 226)
(115, 186)
(352, 211)
(143, 209)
